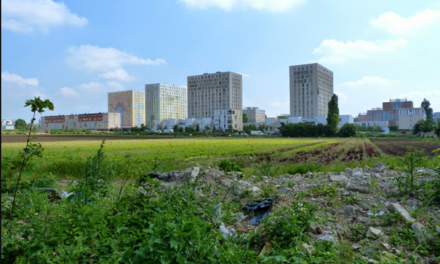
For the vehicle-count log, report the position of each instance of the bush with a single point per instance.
(347, 130)
(305, 130)
(227, 166)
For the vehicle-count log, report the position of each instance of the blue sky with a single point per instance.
(74, 52)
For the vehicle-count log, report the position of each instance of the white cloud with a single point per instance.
(104, 59)
(368, 81)
(69, 93)
(334, 51)
(227, 5)
(97, 87)
(10, 77)
(396, 24)
(28, 15)
(276, 104)
(118, 74)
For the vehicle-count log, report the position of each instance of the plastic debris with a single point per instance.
(226, 234)
(216, 213)
(261, 209)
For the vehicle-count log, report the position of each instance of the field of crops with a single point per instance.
(66, 159)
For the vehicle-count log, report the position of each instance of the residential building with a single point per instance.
(8, 124)
(92, 121)
(272, 124)
(410, 116)
(228, 118)
(375, 114)
(391, 110)
(165, 101)
(311, 88)
(214, 91)
(381, 124)
(436, 116)
(203, 122)
(131, 105)
(344, 119)
(255, 115)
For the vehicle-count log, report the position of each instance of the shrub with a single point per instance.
(227, 166)
(347, 130)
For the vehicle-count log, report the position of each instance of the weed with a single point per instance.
(407, 184)
(228, 166)
(357, 232)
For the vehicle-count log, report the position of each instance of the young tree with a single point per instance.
(347, 130)
(206, 127)
(429, 115)
(176, 128)
(20, 124)
(197, 128)
(333, 113)
(245, 118)
(213, 128)
(230, 128)
(181, 129)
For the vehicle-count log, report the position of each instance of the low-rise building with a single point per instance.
(93, 121)
(271, 124)
(204, 122)
(8, 124)
(408, 117)
(255, 115)
(381, 124)
(228, 118)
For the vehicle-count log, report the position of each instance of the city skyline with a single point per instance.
(379, 52)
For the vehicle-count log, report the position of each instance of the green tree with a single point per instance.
(429, 113)
(176, 128)
(333, 113)
(181, 129)
(206, 127)
(213, 128)
(245, 118)
(347, 130)
(230, 128)
(422, 126)
(20, 124)
(437, 128)
(197, 128)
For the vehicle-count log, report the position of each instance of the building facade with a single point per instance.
(436, 116)
(213, 91)
(255, 115)
(94, 121)
(272, 124)
(391, 110)
(165, 101)
(131, 105)
(8, 124)
(382, 124)
(228, 118)
(311, 88)
(409, 117)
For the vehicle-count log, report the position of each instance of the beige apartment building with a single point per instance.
(408, 117)
(165, 101)
(212, 91)
(311, 88)
(131, 105)
(228, 118)
(91, 121)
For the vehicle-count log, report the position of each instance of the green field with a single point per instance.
(66, 159)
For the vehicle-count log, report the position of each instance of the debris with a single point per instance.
(418, 230)
(359, 184)
(217, 213)
(338, 178)
(395, 207)
(261, 210)
(356, 247)
(373, 232)
(226, 234)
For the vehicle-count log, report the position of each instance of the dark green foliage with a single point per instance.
(407, 184)
(245, 118)
(197, 128)
(305, 130)
(248, 128)
(333, 113)
(422, 126)
(227, 166)
(347, 130)
(429, 112)
(20, 124)
(176, 128)
(181, 129)
(437, 128)
(393, 128)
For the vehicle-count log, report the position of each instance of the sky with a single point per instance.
(75, 52)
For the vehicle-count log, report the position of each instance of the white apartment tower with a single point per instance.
(311, 88)
(165, 101)
(212, 91)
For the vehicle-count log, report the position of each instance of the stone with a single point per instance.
(308, 249)
(369, 253)
(357, 174)
(377, 176)
(192, 173)
(372, 261)
(349, 210)
(386, 246)
(326, 238)
(284, 190)
(308, 175)
(379, 167)
(243, 186)
(338, 178)
(376, 232)
(358, 184)
(356, 247)
(348, 171)
(395, 207)
(418, 230)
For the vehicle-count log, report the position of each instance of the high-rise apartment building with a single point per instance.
(165, 101)
(311, 88)
(131, 105)
(212, 91)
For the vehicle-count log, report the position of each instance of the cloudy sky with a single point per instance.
(75, 52)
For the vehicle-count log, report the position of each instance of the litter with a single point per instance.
(261, 209)
(227, 233)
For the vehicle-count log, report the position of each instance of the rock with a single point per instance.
(338, 178)
(372, 261)
(418, 230)
(395, 207)
(369, 253)
(356, 247)
(375, 232)
(366, 169)
(348, 171)
(308, 175)
(437, 229)
(377, 176)
(243, 186)
(308, 249)
(192, 173)
(284, 190)
(358, 184)
(349, 210)
(357, 174)
(386, 246)
(326, 238)
(379, 167)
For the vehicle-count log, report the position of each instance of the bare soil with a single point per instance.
(50, 138)
(399, 147)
